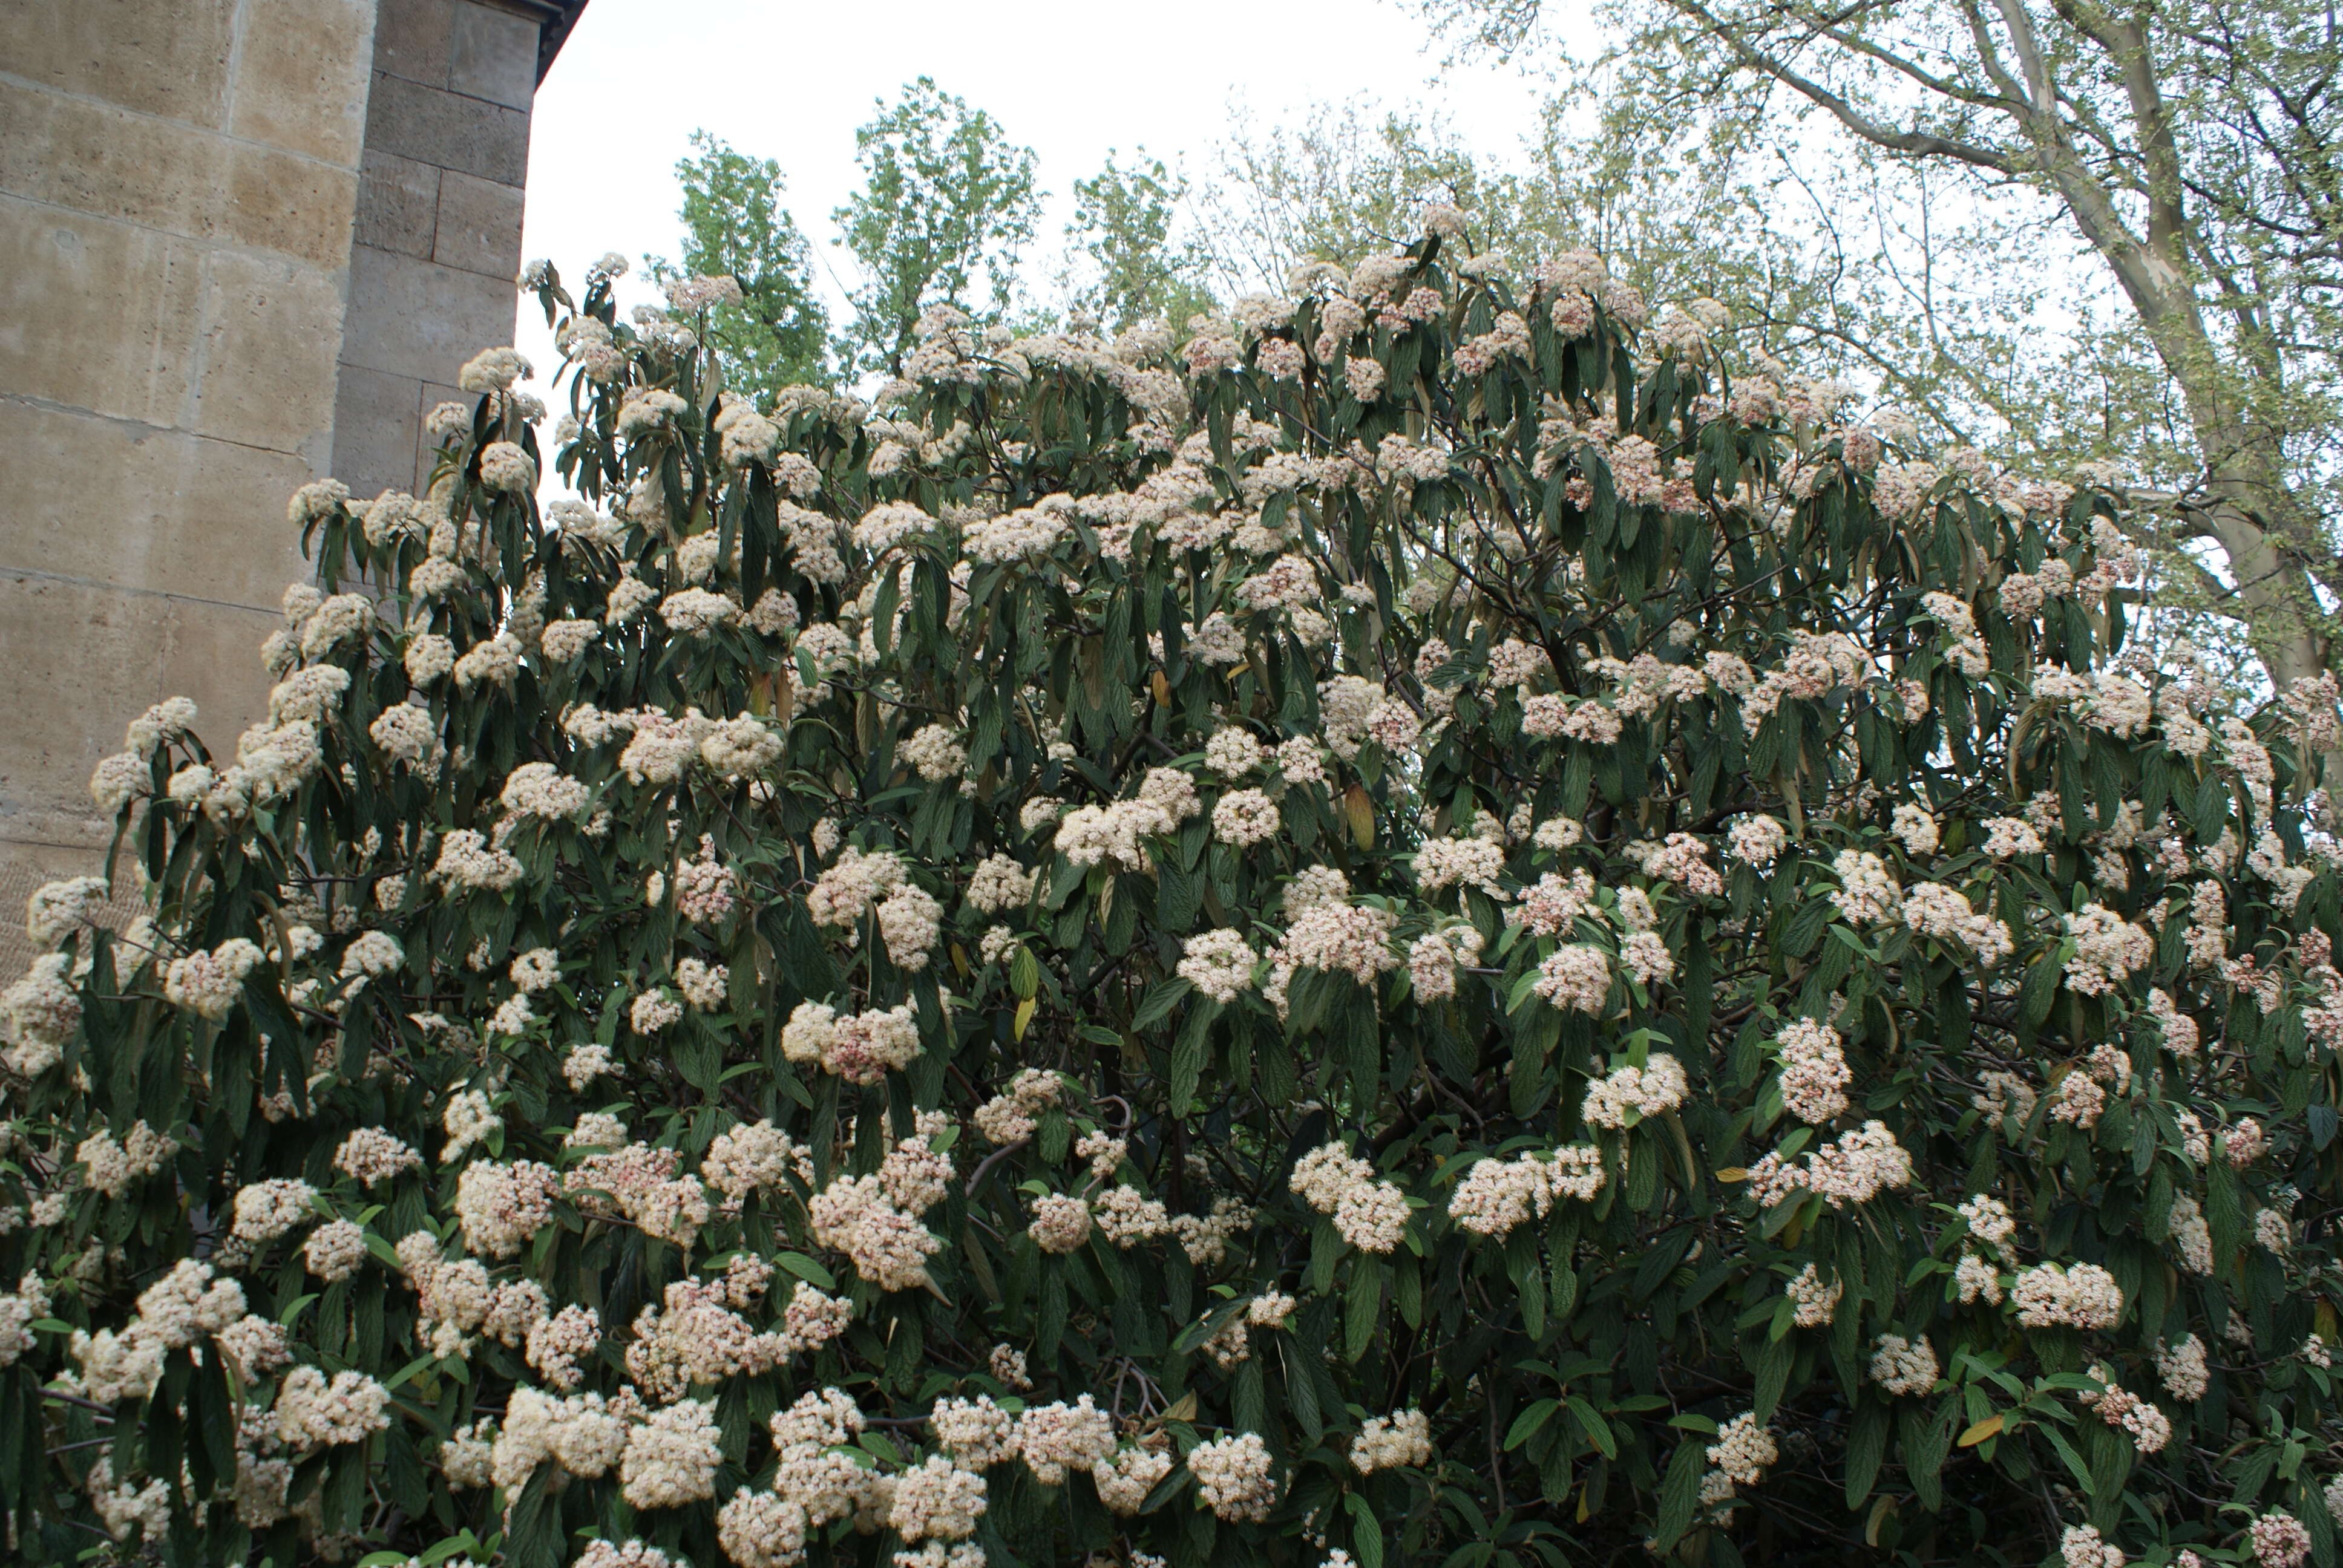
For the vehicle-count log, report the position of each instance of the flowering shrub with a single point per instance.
(1398, 934)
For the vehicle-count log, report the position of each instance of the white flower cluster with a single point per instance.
(844, 895)
(2150, 1427)
(1933, 909)
(1233, 1477)
(1743, 1450)
(18, 1312)
(1335, 935)
(1217, 963)
(1006, 1119)
(1575, 978)
(1096, 835)
(37, 1014)
(934, 752)
(57, 909)
(1053, 1439)
(1400, 1440)
(2108, 950)
(1815, 1073)
(1756, 841)
(1497, 1196)
(313, 1412)
(1371, 1215)
(937, 1499)
(268, 1209)
(861, 1048)
(999, 883)
(1461, 863)
(1434, 959)
(2183, 1369)
(207, 984)
(1629, 1094)
(889, 1247)
(110, 1166)
(2050, 1296)
(2279, 1540)
(1904, 1367)
(2081, 1546)
(1867, 894)
(1813, 1300)
(1852, 1168)
(1061, 1222)
(754, 1157)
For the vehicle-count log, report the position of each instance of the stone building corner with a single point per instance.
(243, 245)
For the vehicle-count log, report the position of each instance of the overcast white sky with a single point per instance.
(1071, 80)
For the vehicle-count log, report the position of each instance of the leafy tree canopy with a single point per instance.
(777, 333)
(947, 206)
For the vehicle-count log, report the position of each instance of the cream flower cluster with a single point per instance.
(1337, 936)
(1744, 1449)
(1933, 909)
(1498, 1196)
(1061, 1223)
(2108, 950)
(207, 984)
(1813, 1300)
(1217, 963)
(2148, 1427)
(1815, 1073)
(1233, 1476)
(1434, 959)
(2279, 1540)
(2083, 1297)
(1053, 1439)
(1629, 1094)
(890, 1248)
(110, 1166)
(1852, 1168)
(2081, 1546)
(313, 1411)
(1902, 1366)
(1007, 1119)
(2183, 1369)
(1756, 841)
(1575, 978)
(1402, 1439)
(861, 1048)
(1371, 1215)
(999, 883)
(1476, 863)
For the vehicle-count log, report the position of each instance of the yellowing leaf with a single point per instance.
(1362, 814)
(1184, 1409)
(1732, 1174)
(1024, 1016)
(1990, 1427)
(1161, 687)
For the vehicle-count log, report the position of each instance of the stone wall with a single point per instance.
(178, 182)
(438, 237)
(243, 245)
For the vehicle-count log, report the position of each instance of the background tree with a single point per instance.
(1122, 237)
(1344, 184)
(735, 225)
(2192, 149)
(946, 208)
